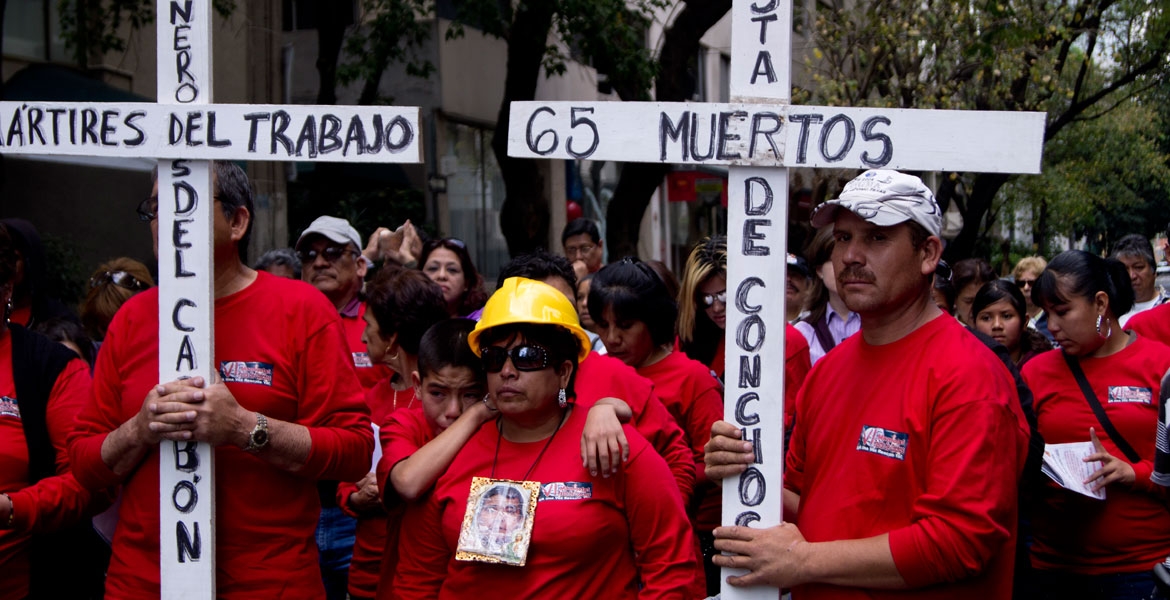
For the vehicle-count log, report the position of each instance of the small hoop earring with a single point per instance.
(488, 404)
(394, 356)
(8, 311)
(562, 398)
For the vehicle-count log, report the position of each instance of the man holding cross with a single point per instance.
(285, 410)
(909, 439)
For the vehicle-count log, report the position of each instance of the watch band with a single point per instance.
(258, 439)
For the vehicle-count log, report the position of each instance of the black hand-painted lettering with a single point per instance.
(179, 168)
(186, 353)
(186, 456)
(35, 115)
(355, 134)
(724, 136)
(280, 122)
(741, 295)
(213, 141)
(180, 43)
(743, 333)
(574, 121)
(767, 8)
(184, 488)
(194, 123)
(189, 549)
(308, 137)
(752, 487)
(746, 518)
(175, 130)
(742, 417)
(179, 270)
(764, 67)
(329, 141)
(763, 21)
(868, 135)
(667, 129)
(757, 445)
(89, 123)
(406, 138)
(109, 129)
(805, 120)
(186, 198)
(376, 146)
(534, 142)
(253, 120)
(695, 155)
(184, 12)
(179, 232)
(749, 373)
(180, 305)
(750, 208)
(57, 112)
(757, 130)
(846, 144)
(750, 236)
(129, 122)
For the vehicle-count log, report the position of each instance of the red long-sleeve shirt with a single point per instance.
(923, 439)
(403, 433)
(598, 541)
(288, 332)
(1130, 530)
(53, 502)
(600, 376)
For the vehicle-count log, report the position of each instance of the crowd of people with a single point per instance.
(405, 434)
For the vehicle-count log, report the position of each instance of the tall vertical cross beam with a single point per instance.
(759, 135)
(185, 131)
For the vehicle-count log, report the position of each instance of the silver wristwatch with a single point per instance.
(258, 439)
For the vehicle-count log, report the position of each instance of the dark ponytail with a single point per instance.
(1085, 274)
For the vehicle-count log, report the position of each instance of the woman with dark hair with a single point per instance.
(829, 321)
(635, 315)
(1001, 313)
(447, 262)
(1102, 387)
(588, 536)
(401, 304)
(44, 511)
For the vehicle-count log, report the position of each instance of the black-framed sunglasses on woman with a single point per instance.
(120, 279)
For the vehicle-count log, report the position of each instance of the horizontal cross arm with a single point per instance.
(263, 132)
(779, 135)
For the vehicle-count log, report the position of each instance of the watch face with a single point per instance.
(259, 438)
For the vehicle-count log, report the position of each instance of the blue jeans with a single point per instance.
(335, 533)
(1116, 586)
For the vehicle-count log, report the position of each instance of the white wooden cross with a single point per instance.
(760, 135)
(185, 131)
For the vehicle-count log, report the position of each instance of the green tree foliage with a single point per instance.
(94, 27)
(1102, 179)
(394, 32)
(1074, 60)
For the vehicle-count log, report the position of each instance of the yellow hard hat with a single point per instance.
(522, 300)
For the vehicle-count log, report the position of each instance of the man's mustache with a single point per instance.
(855, 273)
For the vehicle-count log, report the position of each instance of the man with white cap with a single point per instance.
(909, 439)
(331, 261)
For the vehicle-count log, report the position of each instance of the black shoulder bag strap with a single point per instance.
(821, 328)
(1099, 410)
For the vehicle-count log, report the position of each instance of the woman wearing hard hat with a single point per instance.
(575, 535)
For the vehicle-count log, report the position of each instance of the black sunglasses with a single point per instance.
(331, 254)
(1020, 283)
(525, 357)
(118, 278)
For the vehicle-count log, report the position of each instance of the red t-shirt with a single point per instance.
(923, 439)
(1153, 324)
(600, 376)
(402, 435)
(797, 364)
(598, 541)
(265, 516)
(694, 398)
(54, 502)
(1130, 530)
(368, 373)
(370, 540)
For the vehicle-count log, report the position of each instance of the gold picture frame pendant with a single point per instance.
(497, 524)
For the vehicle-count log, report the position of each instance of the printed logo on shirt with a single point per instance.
(1130, 394)
(246, 372)
(362, 360)
(885, 442)
(9, 408)
(566, 490)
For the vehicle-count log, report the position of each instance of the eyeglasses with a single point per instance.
(943, 270)
(709, 299)
(331, 254)
(525, 357)
(1022, 283)
(118, 278)
(148, 209)
(579, 250)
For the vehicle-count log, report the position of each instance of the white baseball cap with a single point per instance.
(337, 230)
(884, 198)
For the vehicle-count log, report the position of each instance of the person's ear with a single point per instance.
(416, 381)
(564, 372)
(1101, 303)
(239, 223)
(931, 250)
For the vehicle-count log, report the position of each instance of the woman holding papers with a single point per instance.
(1101, 388)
